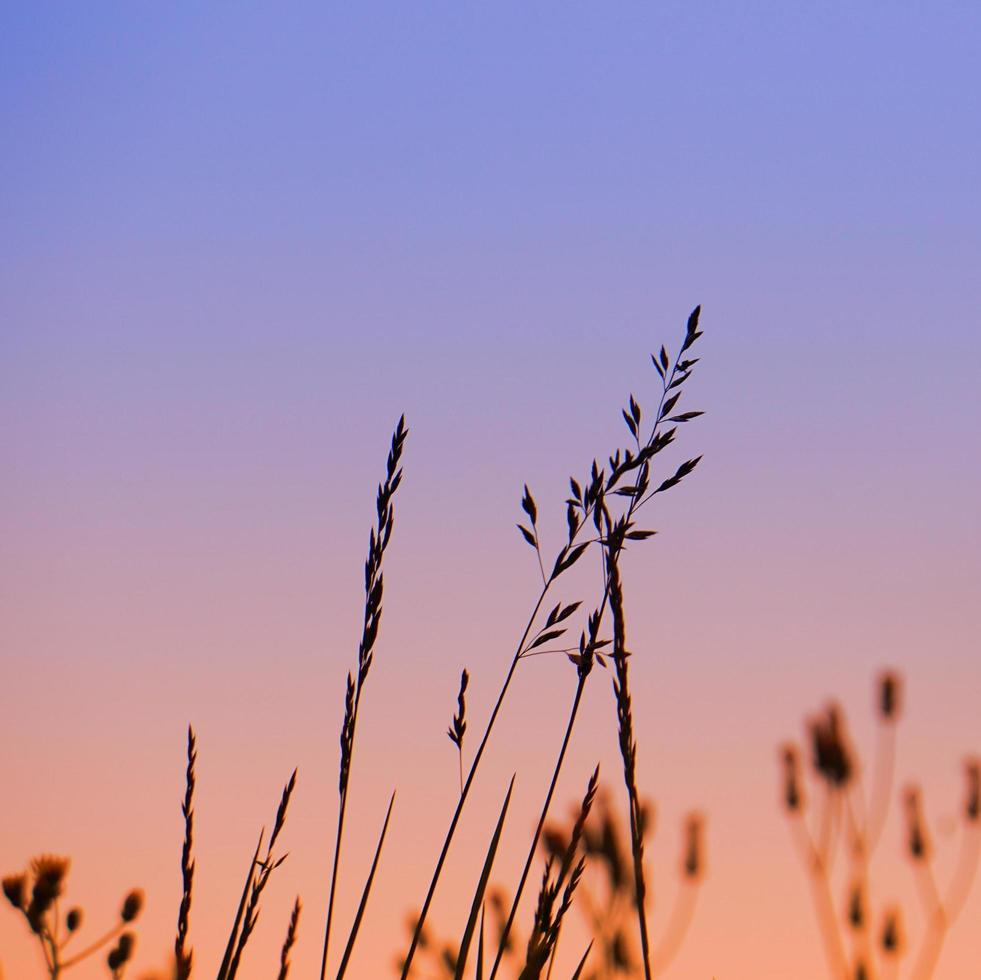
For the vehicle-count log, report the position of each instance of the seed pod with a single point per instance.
(892, 938)
(132, 905)
(15, 888)
(890, 689)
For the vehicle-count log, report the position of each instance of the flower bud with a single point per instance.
(831, 754)
(792, 794)
(917, 840)
(15, 888)
(972, 802)
(856, 907)
(892, 938)
(132, 905)
(890, 689)
(693, 863)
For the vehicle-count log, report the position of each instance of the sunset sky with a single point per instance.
(237, 241)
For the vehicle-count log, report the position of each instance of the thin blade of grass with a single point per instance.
(233, 938)
(582, 963)
(364, 896)
(480, 947)
(478, 899)
(374, 589)
(506, 931)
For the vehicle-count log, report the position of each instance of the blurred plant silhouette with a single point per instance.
(36, 894)
(863, 942)
(605, 898)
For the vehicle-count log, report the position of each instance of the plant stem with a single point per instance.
(420, 922)
(505, 932)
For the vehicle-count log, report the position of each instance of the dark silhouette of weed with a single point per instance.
(36, 894)
(600, 516)
(856, 947)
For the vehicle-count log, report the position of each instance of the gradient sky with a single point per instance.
(237, 242)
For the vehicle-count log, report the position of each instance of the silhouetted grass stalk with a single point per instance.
(257, 881)
(289, 941)
(183, 956)
(582, 506)
(628, 744)
(359, 915)
(506, 931)
(374, 587)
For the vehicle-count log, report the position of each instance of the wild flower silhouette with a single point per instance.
(863, 941)
(36, 894)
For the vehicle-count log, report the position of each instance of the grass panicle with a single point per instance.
(289, 941)
(549, 915)
(183, 955)
(585, 503)
(458, 728)
(261, 872)
(600, 516)
(378, 540)
(625, 733)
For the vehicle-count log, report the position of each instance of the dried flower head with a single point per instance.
(49, 877)
(892, 937)
(554, 841)
(693, 864)
(890, 689)
(917, 840)
(15, 888)
(831, 755)
(73, 920)
(972, 802)
(856, 906)
(121, 953)
(132, 905)
(792, 794)
(126, 943)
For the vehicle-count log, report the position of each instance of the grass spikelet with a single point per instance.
(458, 728)
(182, 953)
(625, 732)
(289, 941)
(262, 870)
(548, 918)
(378, 539)
(587, 501)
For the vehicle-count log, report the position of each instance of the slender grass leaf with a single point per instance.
(478, 898)
(233, 938)
(364, 895)
(582, 963)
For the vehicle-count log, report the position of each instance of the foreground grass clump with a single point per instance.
(605, 897)
(601, 515)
